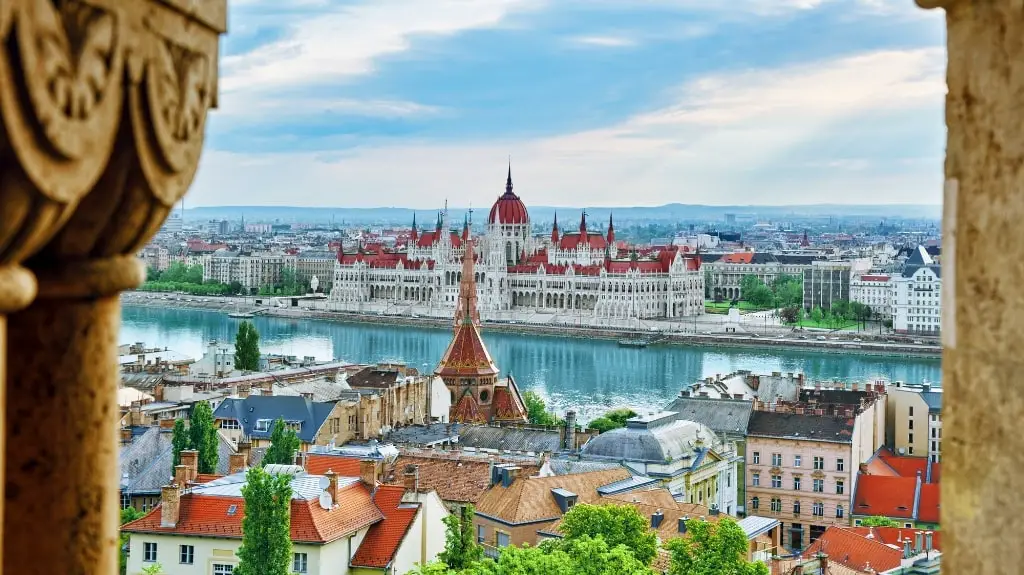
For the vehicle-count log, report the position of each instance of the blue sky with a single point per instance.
(365, 103)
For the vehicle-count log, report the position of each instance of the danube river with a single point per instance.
(590, 375)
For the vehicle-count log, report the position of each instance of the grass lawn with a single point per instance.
(723, 307)
(827, 325)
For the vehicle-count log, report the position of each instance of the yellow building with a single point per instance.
(913, 425)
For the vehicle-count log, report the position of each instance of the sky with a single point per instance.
(411, 103)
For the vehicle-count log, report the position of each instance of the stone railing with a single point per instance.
(103, 108)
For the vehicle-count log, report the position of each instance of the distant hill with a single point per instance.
(567, 215)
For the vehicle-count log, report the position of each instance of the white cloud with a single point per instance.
(345, 41)
(722, 142)
(604, 41)
(247, 106)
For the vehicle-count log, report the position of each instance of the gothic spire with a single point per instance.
(467, 312)
(508, 182)
(554, 230)
(611, 229)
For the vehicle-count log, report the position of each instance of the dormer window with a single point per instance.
(262, 425)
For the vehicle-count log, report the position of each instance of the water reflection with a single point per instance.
(589, 375)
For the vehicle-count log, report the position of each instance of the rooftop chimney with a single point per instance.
(823, 562)
(864, 469)
(181, 475)
(368, 472)
(412, 478)
(918, 542)
(190, 459)
(570, 430)
(907, 551)
(656, 518)
(245, 448)
(170, 499)
(927, 541)
(332, 486)
(236, 463)
(126, 435)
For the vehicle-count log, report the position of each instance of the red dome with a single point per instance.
(508, 208)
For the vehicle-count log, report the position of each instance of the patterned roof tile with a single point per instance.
(384, 538)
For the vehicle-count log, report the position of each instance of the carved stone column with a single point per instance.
(103, 106)
(983, 286)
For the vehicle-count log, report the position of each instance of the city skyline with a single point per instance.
(598, 103)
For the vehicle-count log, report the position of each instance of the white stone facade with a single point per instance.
(917, 301)
(874, 291)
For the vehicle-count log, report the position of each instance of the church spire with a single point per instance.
(611, 230)
(467, 312)
(415, 233)
(508, 182)
(583, 225)
(554, 230)
(465, 227)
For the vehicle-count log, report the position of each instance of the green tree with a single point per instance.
(235, 287)
(266, 528)
(616, 524)
(284, 443)
(789, 290)
(613, 419)
(127, 516)
(713, 549)
(460, 547)
(817, 315)
(179, 442)
(536, 410)
(878, 521)
(176, 272)
(194, 274)
(154, 569)
(760, 296)
(247, 347)
(202, 436)
(289, 283)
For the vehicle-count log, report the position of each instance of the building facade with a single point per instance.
(917, 296)
(913, 424)
(724, 273)
(252, 270)
(582, 272)
(826, 282)
(874, 291)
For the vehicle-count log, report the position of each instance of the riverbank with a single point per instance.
(697, 337)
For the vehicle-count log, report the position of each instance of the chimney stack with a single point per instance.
(236, 463)
(570, 430)
(412, 478)
(907, 551)
(656, 518)
(245, 448)
(126, 435)
(190, 459)
(864, 469)
(368, 472)
(170, 504)
(918, 543)
(927, 541)
(823, 562)
(181, 475)
(332, 486)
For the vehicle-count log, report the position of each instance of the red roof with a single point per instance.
(885, 496)
(856, 551)
(894, 535)
(572, 241)
(467, 410)
(928, 504)
(508, 208)
(383, 539)
(466, 355)
(507, 405)
(740, 258)
(211, 515)
(320, 464)
(875, 278)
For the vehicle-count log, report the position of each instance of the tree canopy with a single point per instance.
(247, 347)
(613, 419)
(536, 410)
(460, 547)
(583, 556)
(284, 444)
(179, 442)
(266, 528)
(712, 549)
(616, 524)
(878, 521)
(202, 436)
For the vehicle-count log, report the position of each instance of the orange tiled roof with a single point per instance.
(928, 504)
(466, 355)
(207, 477)
(467, 410)
(738, 258)
(895, 535)
(211, 515)
(455, 479)
(885, 496)
(319, 464)
(853, 550)
(383, 539)
(506, 404)
(529, 498)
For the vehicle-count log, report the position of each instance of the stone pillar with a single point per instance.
(983, 285)
(102, 114)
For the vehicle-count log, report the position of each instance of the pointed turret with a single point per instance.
(508, 181)
(465, 228)
(415, 234)
(438, 226)
(554, 231)
(583, 227)
(611, 230)
(467, 312)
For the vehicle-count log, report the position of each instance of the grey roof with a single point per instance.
(424, 435)
(754, 525)
(247, 411)
(933, 399)
(909, 270)
(667, 440)
(721, 415)
(323, 390)
(801, 426)
(629, 484)
(570, 466)
(509, 438)
(146, 461)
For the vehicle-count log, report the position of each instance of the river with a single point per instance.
(589, 375)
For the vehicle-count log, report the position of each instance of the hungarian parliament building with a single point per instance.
(583, 272)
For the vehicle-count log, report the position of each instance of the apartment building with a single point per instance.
(913, 423)
(253, 271)
(725, 272)
(802, 460)
(874, 291)
(917, 296)
(826, 282)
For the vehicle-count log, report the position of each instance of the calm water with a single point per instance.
(590, 375)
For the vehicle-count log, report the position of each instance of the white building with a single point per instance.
(874, 291)
(339, 525)
(917, 296)
(581, 272)
(253, 271)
